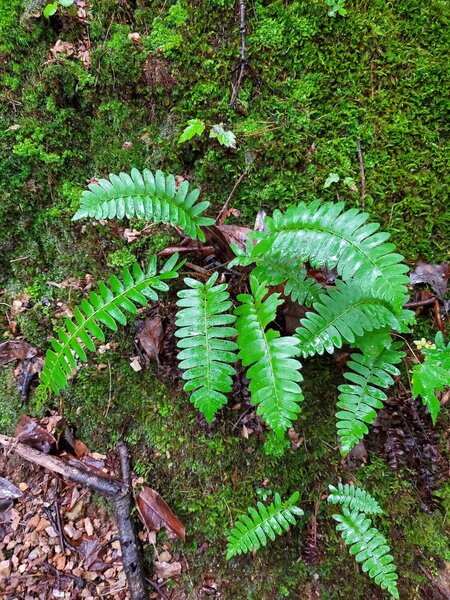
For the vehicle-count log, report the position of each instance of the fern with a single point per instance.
(206, 355)
(369, 547)
(146, 196)
(326, 235)
(342, 315)
(367, 544)
(251, 531)
(360, 399)
(273, 373)
(105, 308)
(432, 375)
(298, 285)
(354, 498)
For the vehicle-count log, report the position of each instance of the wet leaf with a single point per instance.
(150, 337)
(435, 276)
(29, 432)
(155, 514)
(15, 350)
(8, 493)
(93, 552)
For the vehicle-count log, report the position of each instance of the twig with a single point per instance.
(363, 177)
(157, 588)
(426, 302)
(243, 60)
(117, 492)
(202, 250)
(220, 216)
(440, 589)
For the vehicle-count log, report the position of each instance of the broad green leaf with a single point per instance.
(194, 127)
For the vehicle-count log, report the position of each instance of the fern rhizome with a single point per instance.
(363, 308)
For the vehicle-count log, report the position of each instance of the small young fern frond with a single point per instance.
(274, 372)
(325, 235)
(360, 399)
(251, 531)
(354, 498)
(432, 375)
(206, 355)
(342, 314)
(369, 547)
(298, 285)
(367, 544)
(105, 308)
(146, 196)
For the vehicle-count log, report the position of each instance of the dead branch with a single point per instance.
(220, 216)
(119, 493)
(362, 173)
(243, 59)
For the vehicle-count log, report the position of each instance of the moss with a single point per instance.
(318, 86)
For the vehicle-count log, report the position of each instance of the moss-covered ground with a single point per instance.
(317, 87)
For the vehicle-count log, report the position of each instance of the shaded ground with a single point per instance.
(377, 77)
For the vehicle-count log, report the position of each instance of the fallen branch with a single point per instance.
(117, 492)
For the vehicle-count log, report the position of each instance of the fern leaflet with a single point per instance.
(206, 355)
(251, 531)
(146, 196)
(342, 315)
(325, 235)
(274, 373)
(354, 498)
(432, 375)
(360, 399)
(369, 547)
(105, 309)
(298, 285)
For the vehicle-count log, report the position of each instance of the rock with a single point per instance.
(88, 526)
(165, 556)
(165, 570)
(23, 486)
(5, 568)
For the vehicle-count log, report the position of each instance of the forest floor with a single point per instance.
(345, 108)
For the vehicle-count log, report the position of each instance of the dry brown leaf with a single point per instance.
(435, 275)
(150, 337)
(29, 432)
(15, 350)
(93, 552)
(155, 514)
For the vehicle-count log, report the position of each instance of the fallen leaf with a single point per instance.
(29, 432)
(150, 337)
(15, 350)
(435, 275)
(93, 552)
(165, 570)
(155, 514)
(8, 493)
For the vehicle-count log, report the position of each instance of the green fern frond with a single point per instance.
(360, 399)
(251, 531)
(354, 498)
(369, 547)
(342, 314)
(298, 285)
(432, 375)
(146, 196)
(105, 308)
(325, 235)
(206, 355)
(274, 373)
